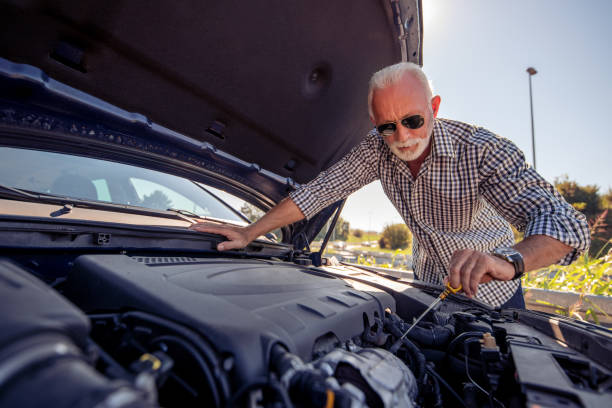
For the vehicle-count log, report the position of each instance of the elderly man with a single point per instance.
(458, 187)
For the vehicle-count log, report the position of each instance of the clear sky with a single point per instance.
(476, 52)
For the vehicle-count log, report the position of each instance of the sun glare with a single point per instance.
(429, 11)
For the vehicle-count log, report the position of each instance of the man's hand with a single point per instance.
(237, 237)
(284, 213)
(470, 268)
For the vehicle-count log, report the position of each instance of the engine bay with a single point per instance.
(134, 330)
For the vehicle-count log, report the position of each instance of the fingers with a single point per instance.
(227, 245)
(468, 275)
(456, 266)
(236, 238)
(478, 271)
(471, 268)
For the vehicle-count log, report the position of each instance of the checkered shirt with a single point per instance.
(468, 190)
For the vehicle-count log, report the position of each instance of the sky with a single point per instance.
(476, 52)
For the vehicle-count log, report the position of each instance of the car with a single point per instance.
(122, 123)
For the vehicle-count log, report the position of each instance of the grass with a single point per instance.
(354, 243)
(586, 276)
(366, 236)
(371, 261)
(406, 251)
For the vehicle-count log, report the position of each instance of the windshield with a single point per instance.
(99, 180)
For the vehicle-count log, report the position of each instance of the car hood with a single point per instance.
(272, 92)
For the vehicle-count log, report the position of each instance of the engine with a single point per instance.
(137, 331)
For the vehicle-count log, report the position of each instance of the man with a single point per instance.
(456, 186)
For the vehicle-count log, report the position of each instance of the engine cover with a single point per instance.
(241, 306)
(30, 307)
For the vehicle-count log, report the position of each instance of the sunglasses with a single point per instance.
(410, 122)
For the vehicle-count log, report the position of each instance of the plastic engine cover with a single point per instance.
(242, 306)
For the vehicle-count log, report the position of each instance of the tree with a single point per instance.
(156, 200)
(341, 231)
(358, 233)
(587, 200)
(396, 236)
(383, 243)
(584, 198)
(251, 212)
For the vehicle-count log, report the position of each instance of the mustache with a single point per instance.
(407, 143)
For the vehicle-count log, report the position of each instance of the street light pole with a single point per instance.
(531, 71)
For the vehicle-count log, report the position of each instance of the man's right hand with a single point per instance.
(237, 237)
(282, 214)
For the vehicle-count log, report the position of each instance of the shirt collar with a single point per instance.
(442, 141)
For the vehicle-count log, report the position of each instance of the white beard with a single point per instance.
(421, 145)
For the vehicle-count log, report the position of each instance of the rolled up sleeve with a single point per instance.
(350, 173)
(528, 201)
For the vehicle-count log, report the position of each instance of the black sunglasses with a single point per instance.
(410, 122)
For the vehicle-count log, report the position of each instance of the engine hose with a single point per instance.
(304, 384)
(202, 364)
(461, 338)
(436, 391)
(450, 389)
(211, 360)
(48, 370)
(417, 357)
(435, 336)
(470, 395)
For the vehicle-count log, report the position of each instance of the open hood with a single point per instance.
(281, 85)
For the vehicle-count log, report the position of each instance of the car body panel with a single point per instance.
(241, 76)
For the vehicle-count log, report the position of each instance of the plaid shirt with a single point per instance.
(468, 190)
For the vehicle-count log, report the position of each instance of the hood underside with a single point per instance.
(276, 83)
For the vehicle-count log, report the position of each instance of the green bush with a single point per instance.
(585, 199)
(396, 236)
(383, 243)
(594, 206)
(586, 276)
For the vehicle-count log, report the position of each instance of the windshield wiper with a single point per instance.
(17, 191)
(32, 196)
(185, 212)
(187, 215)
(232, 209)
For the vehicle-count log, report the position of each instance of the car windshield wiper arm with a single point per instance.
(18, 191)
(84, 203)
(187, 215)
(232, 209)
(185, 212)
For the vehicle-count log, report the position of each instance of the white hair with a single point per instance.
(393, 74)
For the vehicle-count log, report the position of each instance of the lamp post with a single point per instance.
(532, 71)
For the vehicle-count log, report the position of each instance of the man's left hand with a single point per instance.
(470, 268)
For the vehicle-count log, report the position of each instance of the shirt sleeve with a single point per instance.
(528, 201)
(353, 171)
